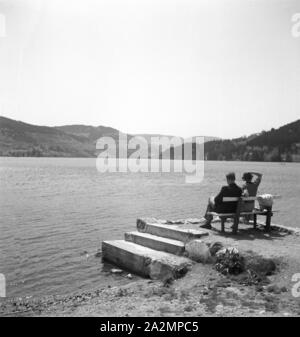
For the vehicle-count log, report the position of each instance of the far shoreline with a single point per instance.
(205, 160)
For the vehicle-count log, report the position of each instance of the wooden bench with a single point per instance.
(267, 212)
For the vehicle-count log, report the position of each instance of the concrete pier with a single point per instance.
(156, 242)
(170, 231)
(155, 250)
(144, 261)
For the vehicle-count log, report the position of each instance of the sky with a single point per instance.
(224, 68)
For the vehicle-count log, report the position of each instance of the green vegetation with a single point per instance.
(20, 139)
(278, 145)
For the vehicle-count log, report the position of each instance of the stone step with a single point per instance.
(170, 231)
(144, 261)
(156, 242)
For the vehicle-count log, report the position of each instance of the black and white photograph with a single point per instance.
(149, 161)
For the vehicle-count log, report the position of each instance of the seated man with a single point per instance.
(216, 204)
(250, 189)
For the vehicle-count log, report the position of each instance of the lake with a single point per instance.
(55, 212)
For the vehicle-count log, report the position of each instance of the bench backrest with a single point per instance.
(230, 199)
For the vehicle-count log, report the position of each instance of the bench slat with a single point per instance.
(241, 214)
(228, 199)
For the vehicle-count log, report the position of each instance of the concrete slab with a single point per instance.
(170, 231)
(156, 242)
(144, 261)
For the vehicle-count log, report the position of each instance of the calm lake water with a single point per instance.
(55, 212)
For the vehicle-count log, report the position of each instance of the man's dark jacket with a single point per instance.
(232, 190)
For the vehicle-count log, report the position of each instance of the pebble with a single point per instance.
(219, 307)
(98, 254)
(116, 271)
(274, 288)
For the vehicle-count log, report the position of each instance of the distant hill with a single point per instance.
(21, 139)
(91, 133)
(282, 144)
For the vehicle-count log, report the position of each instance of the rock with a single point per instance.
(116, 271)
(84, 253)
(160, 271)
(205, 291)
(188, 308)
(259, 288)
(223, 283)
(229, 250)
(195, 220)
(174, 222)
(121, 292)
(274, 288)
(260, 265)
(234, 291)
(129, 276)
(215, 247)
(219, 308)
(198, 251)
(98, 254)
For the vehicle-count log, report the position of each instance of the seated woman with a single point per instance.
(250, 190)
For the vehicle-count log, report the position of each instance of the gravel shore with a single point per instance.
(202, 292)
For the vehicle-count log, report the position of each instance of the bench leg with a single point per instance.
(223, 220)
(235, 225)
(268, 221)
(254, 221)
(237, 216)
